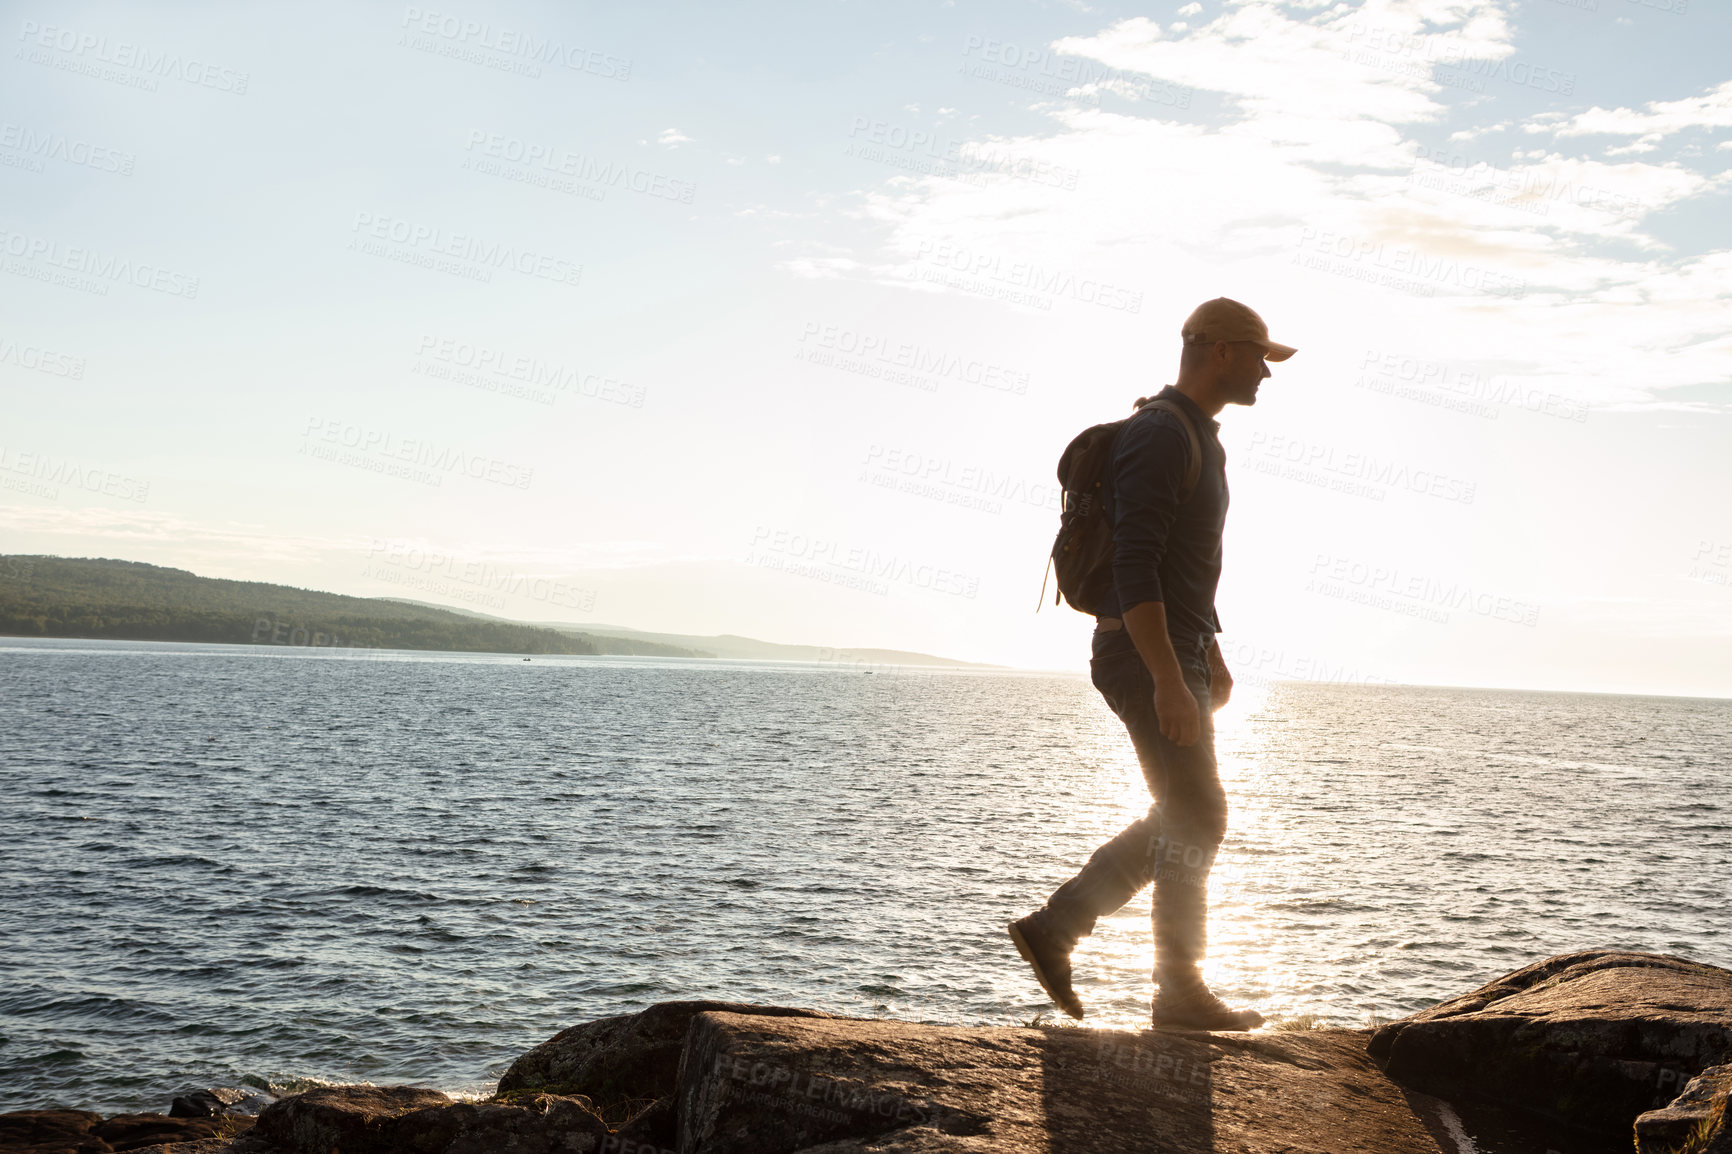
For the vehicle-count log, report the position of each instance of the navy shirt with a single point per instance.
(1162, 550)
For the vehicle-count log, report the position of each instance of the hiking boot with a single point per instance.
(1050, 959)
(1184, 1002)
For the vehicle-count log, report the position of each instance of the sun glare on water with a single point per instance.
(1115, 963)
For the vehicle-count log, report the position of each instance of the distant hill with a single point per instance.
(750, 649)
(734, 648)
(128, 600)
(95, 597)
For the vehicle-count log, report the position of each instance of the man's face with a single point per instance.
(1246, 369)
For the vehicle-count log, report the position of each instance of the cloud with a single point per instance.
(673, 138)
(1312, 188)
(1657, 120)
(145, 528)
(1330, 88)
(822, 268)
(1477, 131)
(238, 547)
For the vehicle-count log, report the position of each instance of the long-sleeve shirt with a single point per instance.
(1162, 550)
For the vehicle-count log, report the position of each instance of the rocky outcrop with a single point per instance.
(757, 1083)
(46, 1130)
(1589, 1040)
(753, 1085)
(82, 1132)
(387, 1119)
(1693, 1123)
(1595, 1042)
(220, 1101)
(338, 1117)
(625, 1061)
(761, 1079)
(627, 1066)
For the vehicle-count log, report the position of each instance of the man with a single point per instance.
(1157, 663)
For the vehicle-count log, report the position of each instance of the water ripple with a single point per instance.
(229, 864)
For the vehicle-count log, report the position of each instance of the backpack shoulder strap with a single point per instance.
(1194, 468)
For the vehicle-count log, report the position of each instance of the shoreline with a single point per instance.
(1549, 1052)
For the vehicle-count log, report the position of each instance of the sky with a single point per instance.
(773, 319)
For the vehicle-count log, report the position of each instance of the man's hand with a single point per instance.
(1175, 705)
(1176, 710)
(1220, 686)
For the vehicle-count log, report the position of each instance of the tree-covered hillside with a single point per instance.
(129, 600)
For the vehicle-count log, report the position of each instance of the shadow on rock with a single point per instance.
(1124, 1090)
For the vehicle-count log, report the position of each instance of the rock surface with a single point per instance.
(387, 1119)
(1693, 1123)
(1588, 1040)
(621, 1062)
(81, 1132)
(1585, 1041)
(756, 1085)
(767, 1084)
(337, 1117)
(219, 1101)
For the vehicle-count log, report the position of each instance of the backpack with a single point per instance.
(1082, 553)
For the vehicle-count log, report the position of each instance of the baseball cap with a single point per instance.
(1227, 320)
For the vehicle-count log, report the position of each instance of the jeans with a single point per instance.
(1174, 844)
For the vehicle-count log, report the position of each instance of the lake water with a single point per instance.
(228, 863)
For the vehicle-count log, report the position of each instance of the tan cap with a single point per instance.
(1228, 320)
